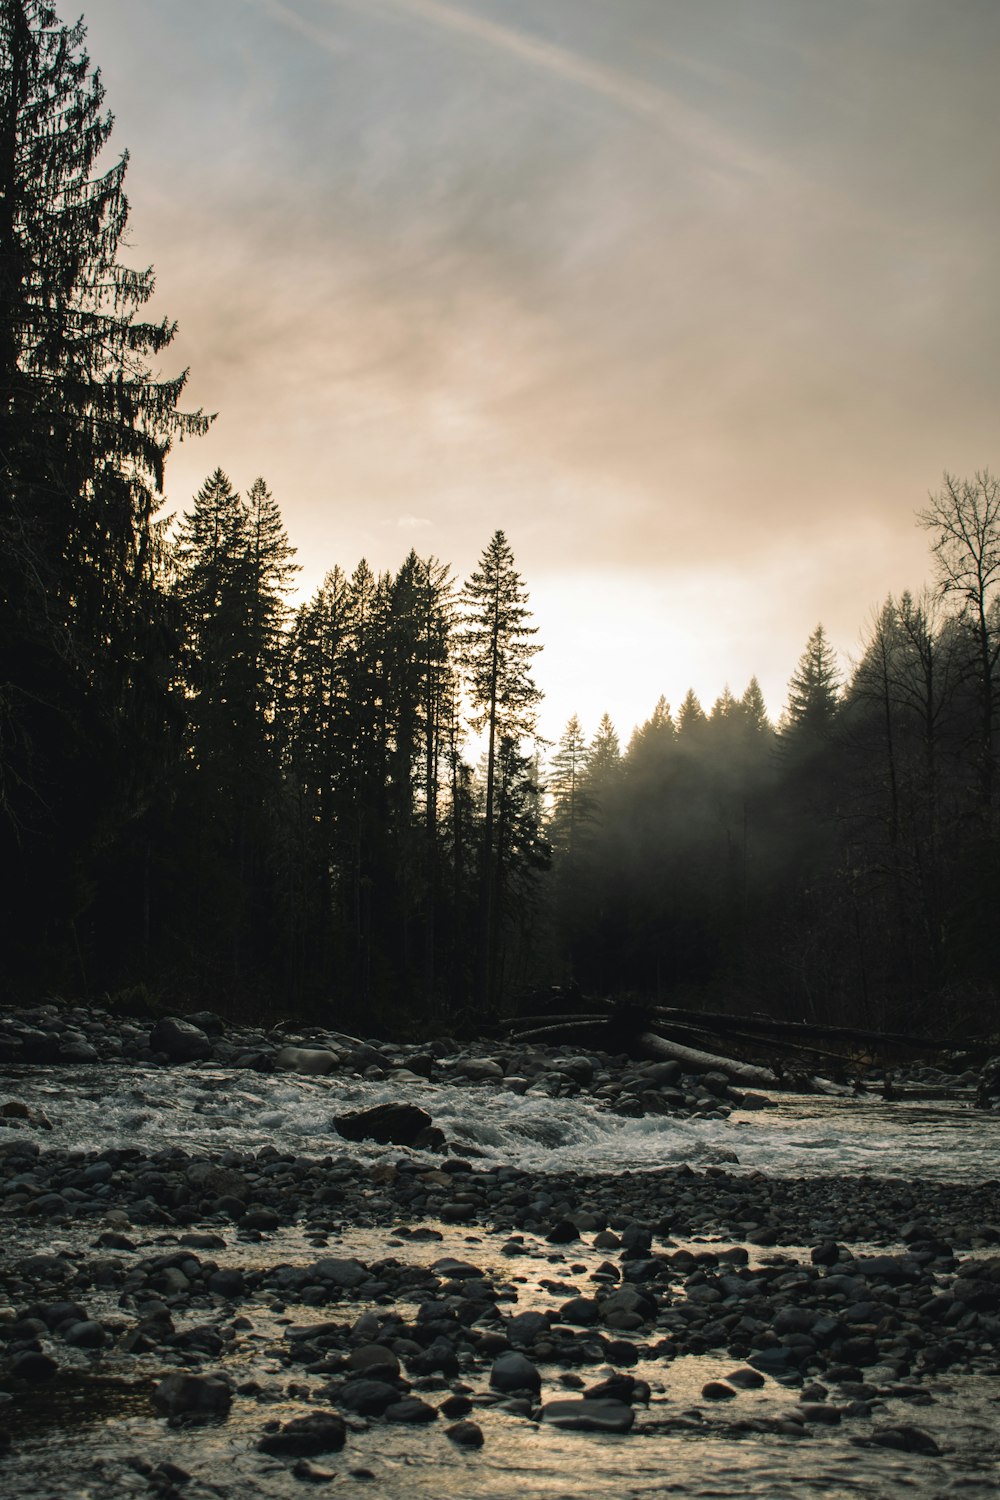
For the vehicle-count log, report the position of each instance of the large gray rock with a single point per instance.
(368, 1398)
(514, 1372)
(179, 1040)
(343, 1273)
(480, 1069)
(313, 1060)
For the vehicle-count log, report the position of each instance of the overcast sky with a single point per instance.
(696, 299)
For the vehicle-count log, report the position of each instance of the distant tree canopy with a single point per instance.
(844, 865)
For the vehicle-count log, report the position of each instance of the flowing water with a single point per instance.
(801, 1135)
(90, 1438)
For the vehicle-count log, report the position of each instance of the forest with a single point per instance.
(341, 808)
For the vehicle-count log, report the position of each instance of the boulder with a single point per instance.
(389, 1124)
(313, 1060)
(303, 1437)
(192, 1398)
(179, 1040)
(368, 1398)
(514, 1372)
(343, 1273)
(480, 1069)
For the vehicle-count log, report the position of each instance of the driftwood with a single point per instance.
(693, 1037)
(766, 1028)
(704, 1062)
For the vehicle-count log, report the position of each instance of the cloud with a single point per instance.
(657, 288)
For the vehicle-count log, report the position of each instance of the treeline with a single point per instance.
(340, 809)
(844, 864)
(201, 794)
(327, 840)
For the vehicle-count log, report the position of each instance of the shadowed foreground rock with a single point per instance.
(304, 1437)
(193, 1398)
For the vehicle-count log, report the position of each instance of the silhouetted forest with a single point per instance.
(342, 809)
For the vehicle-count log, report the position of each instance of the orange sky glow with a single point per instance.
(696, 302)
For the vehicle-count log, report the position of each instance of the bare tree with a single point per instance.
(964, 518)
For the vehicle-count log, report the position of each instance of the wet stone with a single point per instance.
(33, 1366)
(305, 1437)
(86, 1335)
(717, 1390)
(589, 1416)
(192, 1398)
(411, 1409)
(514, 1372)
(368, 1398)
(465, 1434)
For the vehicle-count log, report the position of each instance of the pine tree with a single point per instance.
(691, 717)
(233, 569)
(496, 648)
(754, 708)
(270, 573)
(604, 757)
(651, 743)
(212, 586)
(567, 785)
(318, 757)
(813, 693)
(84, 432)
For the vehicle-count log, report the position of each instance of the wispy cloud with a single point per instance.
(319, 36)
(630, 94)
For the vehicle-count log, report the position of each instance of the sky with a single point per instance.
(696, 300)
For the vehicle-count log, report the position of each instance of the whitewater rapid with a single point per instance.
(203, 1108)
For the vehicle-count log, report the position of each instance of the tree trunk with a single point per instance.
(748, 1073)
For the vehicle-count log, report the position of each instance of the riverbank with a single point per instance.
(193, 1322)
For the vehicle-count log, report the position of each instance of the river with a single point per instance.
(97, 1438)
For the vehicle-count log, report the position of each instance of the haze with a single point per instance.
(695, 301)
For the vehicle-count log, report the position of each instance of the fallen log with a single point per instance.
(571, 1034)
(705, 1062)
(765, 1027)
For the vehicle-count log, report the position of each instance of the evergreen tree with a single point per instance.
(496, 648)
(651, 742)
(233, 570)
(691, 717)
(726, 706)
(754, 708)
(603, 757)
(318, 759)
(85, 429)
(813, 693)
(567, 785)
(270, 574)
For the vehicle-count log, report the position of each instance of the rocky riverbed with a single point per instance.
(180, 1320)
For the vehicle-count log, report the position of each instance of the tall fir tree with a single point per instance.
(496, 648)
(813, 694)
(233, 569)
(84, 432)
